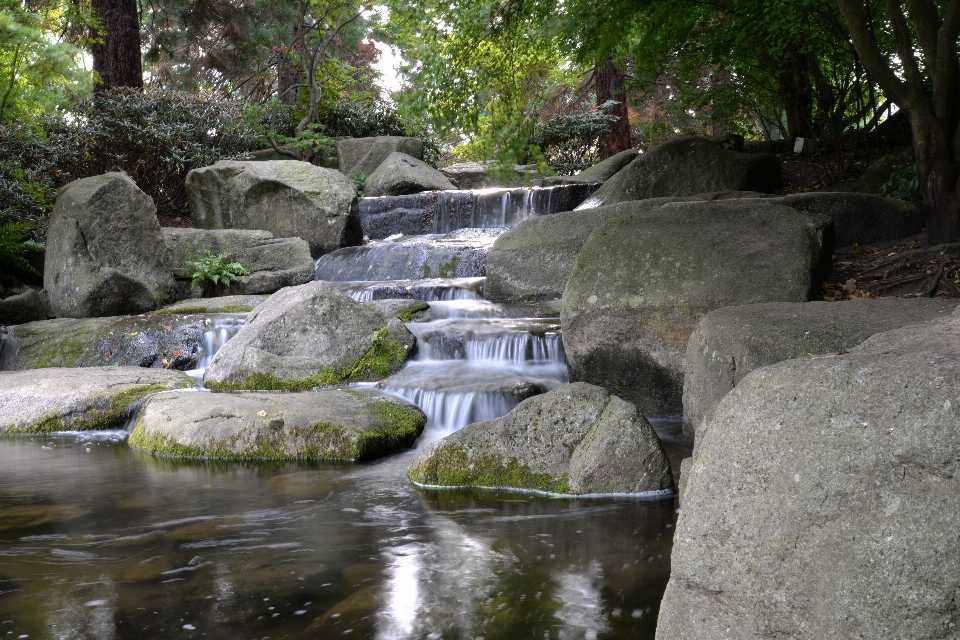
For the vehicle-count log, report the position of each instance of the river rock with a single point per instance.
(731, 342)
(330, 424)
(400, 174)
(687, 166)
(860, 217)
(479, 175)
(577, 439)
(274, 263)
(24, 306)
(290, 199)
(458, 254)
(824, 500)
(363, 155)
(645, 278)
(102, 253)
(308, 336)
(598, 173)
(222, 304)
(166, 341)
(47, 400)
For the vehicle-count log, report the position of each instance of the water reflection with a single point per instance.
(114, 544)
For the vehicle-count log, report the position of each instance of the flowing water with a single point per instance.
(100, 541)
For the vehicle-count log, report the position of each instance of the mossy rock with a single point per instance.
(309, 336)
(49, 400)
(577, 439)
(331, 424)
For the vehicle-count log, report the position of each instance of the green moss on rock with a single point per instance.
(452, 466)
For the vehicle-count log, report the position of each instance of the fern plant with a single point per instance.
(214, 273)
(15, 244)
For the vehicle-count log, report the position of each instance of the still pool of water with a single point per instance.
(100, 541)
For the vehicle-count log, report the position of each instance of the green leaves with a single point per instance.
(214, 273)
(15, 245)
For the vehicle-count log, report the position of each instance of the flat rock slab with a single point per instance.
(731, 342)
(330, 424)
(644, 279)
(48, 400)
(858, 217)
(224, 304)
(309, 336)
(273, 263)
(824, 499)
(168, 341)
(288, 198)
(577, 439)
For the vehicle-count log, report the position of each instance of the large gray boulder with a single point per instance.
(274, 263)
(221, 304)
(309, 336)
(688, 166)
(731, 342)
(577, 439)
(47, 400)
(858, 217)
(102, 256)
(645, 278)
(600, 172)
(363, 155)
(331, 424)
(290, 199)
(824, 501)
(168, 341)
(25, 305)
(401, 174)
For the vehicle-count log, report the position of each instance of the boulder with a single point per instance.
(824, 500)
(331, 424)
(459, 254)
(223, 304)
(480, 175)
(400, 174)
(274, 263)
(598, 173)
(731, 342)
(161, 341)
(309, 336)
(290, 199)
(687, 166)
(363, 155)
(102, 256)
(577, 439)
(26, 305)
(47, 400)
(645, 278)
(324, 158)
(859, 218)
(875, 176)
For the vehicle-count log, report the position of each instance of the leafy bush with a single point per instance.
(571, 143)
(155, 136)
(214, 273)
(904, 183)
(15, 245)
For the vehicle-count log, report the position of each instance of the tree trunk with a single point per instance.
(610, 86)
(117, 58)
(289, 73)
(939, 180)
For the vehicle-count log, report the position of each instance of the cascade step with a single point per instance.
(500, 342)
(429, 290)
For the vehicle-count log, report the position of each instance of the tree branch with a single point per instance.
(901, 33)
(873, 59)
(926, 22)
(944, 67)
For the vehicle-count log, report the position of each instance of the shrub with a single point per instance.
(214, 273)
(15, 245)
(571, 143)
(904, 183)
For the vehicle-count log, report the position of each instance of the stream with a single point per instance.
(100, 541)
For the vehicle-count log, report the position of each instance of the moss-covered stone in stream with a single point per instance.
(452, 466)
(106, 412)
(449, 269)
(199, 308)
(377, 363)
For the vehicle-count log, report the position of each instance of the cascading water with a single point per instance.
(218, 329)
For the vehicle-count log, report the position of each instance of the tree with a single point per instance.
(926, 85)
(116, 47)
(611, 85)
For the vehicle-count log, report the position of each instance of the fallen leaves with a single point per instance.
(846, 291)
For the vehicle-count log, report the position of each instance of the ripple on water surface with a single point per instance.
(99, 541)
